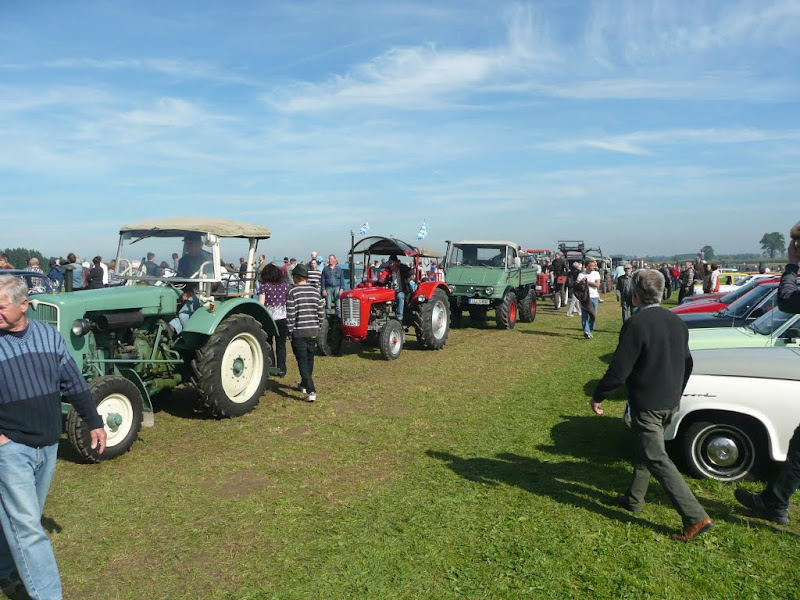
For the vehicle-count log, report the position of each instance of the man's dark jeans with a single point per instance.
(780, 489)
(304, 350)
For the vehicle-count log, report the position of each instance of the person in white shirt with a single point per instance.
(592, 278)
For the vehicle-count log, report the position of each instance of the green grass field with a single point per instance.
(474, 472)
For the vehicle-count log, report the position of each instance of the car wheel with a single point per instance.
(727, 450)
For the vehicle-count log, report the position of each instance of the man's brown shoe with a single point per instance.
(692, 531)
(624, 501)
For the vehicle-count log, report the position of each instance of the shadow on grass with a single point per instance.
(544, 333)
(182, 402)
(567, 482)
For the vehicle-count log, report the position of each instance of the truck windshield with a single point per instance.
(477, 256)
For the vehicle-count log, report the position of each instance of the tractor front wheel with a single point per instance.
(432, 321)
(121, 407)
(232, 369)
(391, 339)
(329, 339)
(507, 311)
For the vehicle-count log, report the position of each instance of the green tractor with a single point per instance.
(165, 324)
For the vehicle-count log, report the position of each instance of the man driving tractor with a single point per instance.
(397, 276)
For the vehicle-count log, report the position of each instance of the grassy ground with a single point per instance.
(473, 472)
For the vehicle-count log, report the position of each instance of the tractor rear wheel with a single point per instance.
(507, 311)
(391, 339)
(329, 339)
(121, 407)
(527, 307)
(432, 321)
(232, 369)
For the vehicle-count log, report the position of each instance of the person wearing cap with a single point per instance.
(304, 313)
(396, 276)
(623, 288)
(55, 275)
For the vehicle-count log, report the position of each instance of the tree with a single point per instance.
(19, 257)
(708, 252)
(772, 244)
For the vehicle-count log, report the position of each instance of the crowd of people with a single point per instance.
(652, 359)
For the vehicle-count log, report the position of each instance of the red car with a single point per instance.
(709, 303)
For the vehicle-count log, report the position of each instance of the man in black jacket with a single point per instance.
(653, 360)
(560, 270)
(773, 503)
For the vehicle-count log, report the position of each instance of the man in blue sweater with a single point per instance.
(653, 360)
(35, 370)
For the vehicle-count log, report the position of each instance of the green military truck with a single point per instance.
(169, 323)
(490, 275)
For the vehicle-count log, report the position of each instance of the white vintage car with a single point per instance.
(738, 411)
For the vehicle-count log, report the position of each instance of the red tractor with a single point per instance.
(369, 309)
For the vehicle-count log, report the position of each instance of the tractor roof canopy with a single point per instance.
(383, 245)
(176, 226)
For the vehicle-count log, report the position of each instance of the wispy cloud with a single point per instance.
(640, 141)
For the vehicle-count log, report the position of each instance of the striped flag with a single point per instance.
(364, 228)
(423, 232)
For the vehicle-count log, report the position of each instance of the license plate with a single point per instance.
(478, 301)
(351, 322)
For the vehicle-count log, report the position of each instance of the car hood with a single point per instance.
(764, 363)
(700, 306)
(702, 320)
(726, 337)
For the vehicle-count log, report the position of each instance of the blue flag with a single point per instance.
(423, 232)
(364, 228)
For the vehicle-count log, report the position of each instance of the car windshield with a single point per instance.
(770, 322)
(478, 256)
(740, 291)
(742, 306)
(174, 256)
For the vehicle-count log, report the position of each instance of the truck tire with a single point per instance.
(507, 311)
(527, 307)
(391, 339)
(232, 368)
(432, 321)
(121, 407)
(329, 339)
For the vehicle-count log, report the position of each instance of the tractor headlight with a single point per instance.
(422, 298)
(489, 291)
(452, 289)
(81, 327)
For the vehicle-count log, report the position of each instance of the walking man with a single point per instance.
(773, 503)
(304, 314)
(589, 311)
(35, 369)
(624, 292)
(653, 360)
(687, 282)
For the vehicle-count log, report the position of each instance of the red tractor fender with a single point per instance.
(426, 290)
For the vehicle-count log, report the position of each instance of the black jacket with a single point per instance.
(788, 293)
(652, 359)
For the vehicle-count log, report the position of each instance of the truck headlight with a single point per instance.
(489, 291)
(81, 327)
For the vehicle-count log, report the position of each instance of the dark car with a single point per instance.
(37, 283)
(761, 299)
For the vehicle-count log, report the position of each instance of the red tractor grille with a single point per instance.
(351, 312)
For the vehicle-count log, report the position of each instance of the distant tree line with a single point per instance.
(19, 257)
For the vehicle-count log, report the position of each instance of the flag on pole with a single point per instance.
(364, 228)
(423, 232)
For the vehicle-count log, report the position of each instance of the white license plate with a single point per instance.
(351, 322)
(478, 301)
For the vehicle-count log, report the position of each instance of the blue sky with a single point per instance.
(642, 127)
